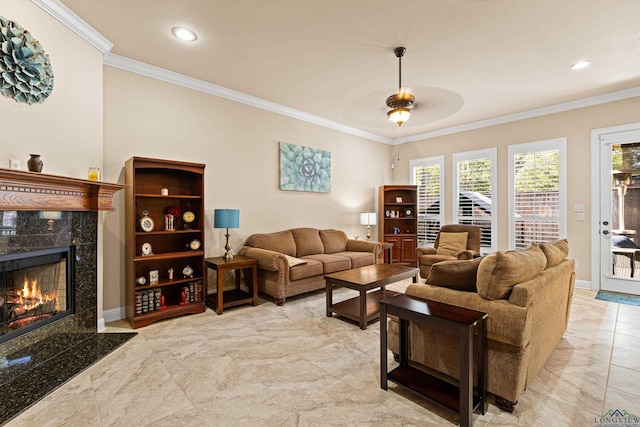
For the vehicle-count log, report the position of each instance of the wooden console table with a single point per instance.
(460, 321)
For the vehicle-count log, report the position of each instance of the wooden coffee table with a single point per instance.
(365, 307)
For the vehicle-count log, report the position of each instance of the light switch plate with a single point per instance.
(14, 164)
(578, 207)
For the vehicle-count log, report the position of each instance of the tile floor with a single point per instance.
(293, 366)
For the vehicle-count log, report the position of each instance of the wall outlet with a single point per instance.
(14, 164)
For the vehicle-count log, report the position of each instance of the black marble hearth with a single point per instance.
(30, 373)
(34, 364)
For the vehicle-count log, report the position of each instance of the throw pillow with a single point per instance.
(333, 241)
(281, 241)
(451, 243)
(293, 261)
(555, 251)
(307, 241)
(499, 272)
(457, 274)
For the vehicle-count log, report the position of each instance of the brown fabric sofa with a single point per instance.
(319, 252)
(427, 256)
(527, 295)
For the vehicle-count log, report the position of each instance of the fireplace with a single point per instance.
(36, 288)
(48, 284)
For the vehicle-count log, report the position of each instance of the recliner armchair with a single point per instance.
(450, 246)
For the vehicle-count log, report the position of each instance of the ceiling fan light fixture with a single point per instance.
(401, 102)
(399, 115)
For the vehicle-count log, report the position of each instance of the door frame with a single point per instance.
(596, 197)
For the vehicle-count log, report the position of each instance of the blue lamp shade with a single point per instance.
(226, 218)
(368, 218)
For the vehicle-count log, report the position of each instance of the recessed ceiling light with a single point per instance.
(581, 65)
(184, 34)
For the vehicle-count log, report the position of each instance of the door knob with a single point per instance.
(605, 232)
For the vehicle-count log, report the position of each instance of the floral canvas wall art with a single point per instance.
(304, 168)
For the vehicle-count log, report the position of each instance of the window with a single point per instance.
(537, 192)
(428, 175)
(474, 195)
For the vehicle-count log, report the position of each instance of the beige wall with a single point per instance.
(239, 145)
(66, 129)
(575, 125)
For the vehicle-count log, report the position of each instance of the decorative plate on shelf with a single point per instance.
(408, 212)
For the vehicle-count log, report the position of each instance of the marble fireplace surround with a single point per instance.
(34, 364)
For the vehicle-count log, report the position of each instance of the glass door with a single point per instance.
(620, 212)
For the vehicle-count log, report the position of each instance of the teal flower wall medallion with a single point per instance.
(25, 71)
(304, 168)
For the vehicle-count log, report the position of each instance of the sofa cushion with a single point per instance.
(358, 259)
(331, 262)
(333, 241)
(458, 274)
(279, 242)
(307, 241)
(498, 272)
(452, 243)
(555, 251)
(293, 261)
(309, 269)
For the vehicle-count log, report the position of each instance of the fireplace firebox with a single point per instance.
(36, 288)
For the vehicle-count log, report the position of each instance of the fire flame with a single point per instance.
(31, 295)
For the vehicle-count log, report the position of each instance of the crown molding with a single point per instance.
(75, 24)
(558, 108)
(162, 74)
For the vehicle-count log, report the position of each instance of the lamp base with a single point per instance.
(368, 232)
(228, 256)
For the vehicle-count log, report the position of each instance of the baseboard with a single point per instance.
(584, 284)
(113, 314)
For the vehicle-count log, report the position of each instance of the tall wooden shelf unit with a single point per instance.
(171, 249)
(399, 221)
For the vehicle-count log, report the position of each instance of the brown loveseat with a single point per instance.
(295, 261)
(527, 295)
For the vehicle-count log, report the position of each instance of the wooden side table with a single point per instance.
(455, 396)
(387, 248)
(223, 299)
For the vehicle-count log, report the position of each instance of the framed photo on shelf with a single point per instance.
(153, 277)
(398, 199)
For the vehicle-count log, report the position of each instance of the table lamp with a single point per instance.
(368, 219)
(226, 218)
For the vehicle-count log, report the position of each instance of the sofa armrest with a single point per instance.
(354, 245)
(425, 251)
(467, 254)
(267, 260)
(507, 323)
